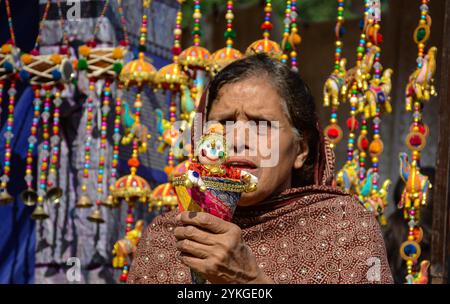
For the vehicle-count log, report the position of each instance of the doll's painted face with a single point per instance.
(212, 150)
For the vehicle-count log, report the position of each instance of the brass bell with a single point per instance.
(109, 202)
(39, 213)
(54, 195)
(96, 216)
(5, 197)
(29, 197)
(84, 202)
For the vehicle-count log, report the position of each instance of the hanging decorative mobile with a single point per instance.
(8, 73)
(291, 38)
(373, 193)
(353, 88)
(266, 45)
(419, 90)
(174, 81)
(133, 188)
(102, 65)
(47, 74)
(332, 90)
(195, 59)
(223, 57)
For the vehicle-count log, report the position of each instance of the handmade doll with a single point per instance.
(214, 186)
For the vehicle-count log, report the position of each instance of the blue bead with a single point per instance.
(410, 249)
(195, 174)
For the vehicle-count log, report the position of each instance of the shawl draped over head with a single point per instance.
(313, 234)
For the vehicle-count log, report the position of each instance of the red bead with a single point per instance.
(176, 50)
(333, 133)
(266, 26)
(34, 52)
(133, 162)
(123, 277)
(123, 43)
(415, 141)
(92, 44)
(352, 123)
(364, 143)
(64, 50)
(422, 129)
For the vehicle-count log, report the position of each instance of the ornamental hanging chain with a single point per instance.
(419, 90)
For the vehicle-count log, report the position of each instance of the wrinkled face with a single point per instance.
(211, 150)
(255, 101)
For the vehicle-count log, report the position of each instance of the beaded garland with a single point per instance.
(29, 196)
(84, 201)
(377, 101)
(291, 38)
(333, 85)
(418, 91)
(132, 187)
(8, 71)
(352, 88)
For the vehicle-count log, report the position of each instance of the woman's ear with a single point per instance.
(302, 155)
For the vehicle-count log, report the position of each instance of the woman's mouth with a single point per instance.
(243, 164)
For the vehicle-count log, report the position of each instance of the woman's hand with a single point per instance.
(214, 248)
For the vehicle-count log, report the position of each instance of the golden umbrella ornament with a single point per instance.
(266, 45)
(223, 57)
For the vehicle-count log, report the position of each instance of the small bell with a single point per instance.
(96, 216)
(54, 195)
(29, 197)
(5, 198)
(110, 202)
(39, 213)
(84, 202)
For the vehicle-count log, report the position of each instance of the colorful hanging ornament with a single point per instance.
(102, 66)
(8, 74)
(376, 102)
(353, 88)
(291, 38)
(266, 45)
(418, 92)
(332, 90)
(132, 188)
(223, 57)
(195, 59)
(47, 74)
(174, 81)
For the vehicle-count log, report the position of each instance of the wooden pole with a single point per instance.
(440, 240)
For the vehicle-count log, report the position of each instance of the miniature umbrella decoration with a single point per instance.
(265, 45)
(223, 57)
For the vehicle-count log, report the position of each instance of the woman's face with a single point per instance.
(255, 100)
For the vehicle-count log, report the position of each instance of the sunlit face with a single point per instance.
(255, 99)
(211, 150)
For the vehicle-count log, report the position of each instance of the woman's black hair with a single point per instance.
(299, 103)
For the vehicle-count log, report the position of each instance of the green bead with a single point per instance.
(287, 46)
(360, 49)
(196, 32)
(230, 34)
(421, 34)
(117, 67)
(142, 48)
(82, 64)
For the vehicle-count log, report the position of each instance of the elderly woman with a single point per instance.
(296, 227)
